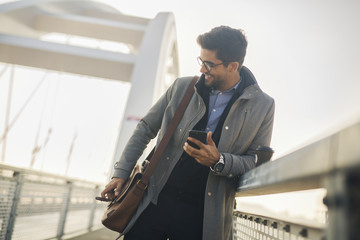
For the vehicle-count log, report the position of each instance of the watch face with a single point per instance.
(219, 167)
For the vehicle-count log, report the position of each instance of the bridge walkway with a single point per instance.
(99, 234)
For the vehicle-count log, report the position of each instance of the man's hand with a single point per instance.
(207, 155)
(112, 189)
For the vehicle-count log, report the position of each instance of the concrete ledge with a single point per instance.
(305, 168)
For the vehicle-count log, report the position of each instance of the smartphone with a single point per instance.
(199, 135)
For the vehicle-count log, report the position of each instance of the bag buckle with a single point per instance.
(144, 186)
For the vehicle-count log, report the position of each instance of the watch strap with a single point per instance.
(221, 160)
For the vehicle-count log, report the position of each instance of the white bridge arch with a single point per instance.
(149, 59)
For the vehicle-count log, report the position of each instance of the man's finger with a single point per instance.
(105, 192)
(191, 151)
(195, 141)
(118, 187)
(110, 187)
(209, 139)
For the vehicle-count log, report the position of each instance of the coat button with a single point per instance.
(209, 194)
(226, 127)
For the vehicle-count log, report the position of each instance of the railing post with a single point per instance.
(342, 200)
(93, 209)
(15, 202)
(353, 187)
(64, 212)
(335, 223)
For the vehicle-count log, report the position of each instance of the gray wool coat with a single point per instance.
(249, 124)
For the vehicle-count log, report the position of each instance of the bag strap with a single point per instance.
(167, 136)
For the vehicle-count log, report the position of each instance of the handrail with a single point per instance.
(29, 171)
(332, 163)
(305, 168)
(45, 204)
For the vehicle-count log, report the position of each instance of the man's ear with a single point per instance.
(233, 66)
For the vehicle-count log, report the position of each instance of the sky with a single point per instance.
(304, 54)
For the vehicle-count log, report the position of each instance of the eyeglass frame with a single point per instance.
(206, 64)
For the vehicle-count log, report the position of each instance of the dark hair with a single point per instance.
(229, 43)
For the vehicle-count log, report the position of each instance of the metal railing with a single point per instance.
(332, 163)
(251, 226)
(36, 205)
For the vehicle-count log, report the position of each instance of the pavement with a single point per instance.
(99, 234)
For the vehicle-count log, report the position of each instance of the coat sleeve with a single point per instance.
(146, 129)
(235, 164)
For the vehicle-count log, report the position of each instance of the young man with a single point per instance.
(191, 193)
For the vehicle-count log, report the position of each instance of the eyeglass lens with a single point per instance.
(207, 65)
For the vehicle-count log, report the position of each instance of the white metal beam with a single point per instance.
(59, 57)
(149, 73)
(116, 17)
(129, 33)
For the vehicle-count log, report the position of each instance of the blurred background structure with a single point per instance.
(77, 75)
(70, 49)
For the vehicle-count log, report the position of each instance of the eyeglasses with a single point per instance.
(208, 65)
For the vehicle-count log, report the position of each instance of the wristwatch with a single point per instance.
(219, 166)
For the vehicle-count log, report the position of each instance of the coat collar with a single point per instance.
(247, 80)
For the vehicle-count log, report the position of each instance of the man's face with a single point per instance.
(216, 77)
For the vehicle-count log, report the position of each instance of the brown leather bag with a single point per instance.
(122, 208)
